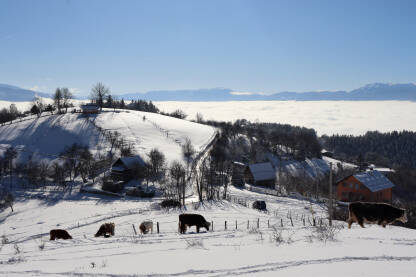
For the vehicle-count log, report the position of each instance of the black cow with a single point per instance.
(59, 234)
(106, 230)
(379, 213)
(259, 205)
(188, 220)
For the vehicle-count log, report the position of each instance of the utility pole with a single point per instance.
(330, 194)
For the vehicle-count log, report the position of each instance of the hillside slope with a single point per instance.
(47, 136)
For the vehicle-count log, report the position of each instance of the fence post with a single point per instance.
(281, 222)
(134, 229)
(157, 225)
(212, 226)
(236, 225)
(291, 221)
(258, 223)
(225, 225)
(248, 224)
(268, 223)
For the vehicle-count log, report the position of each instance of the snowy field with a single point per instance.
(326, 117)
(47, 136)
(148, 130)
(285, 251)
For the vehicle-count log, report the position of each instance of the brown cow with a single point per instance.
(188, 220)
(59, 234)
(379, 213)
(146, 226)
(106, 230)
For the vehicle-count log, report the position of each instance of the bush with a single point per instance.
(326, 232)
(110, 185)
(170, 203)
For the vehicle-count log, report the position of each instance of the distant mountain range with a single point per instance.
(376, 91)
(16, 94)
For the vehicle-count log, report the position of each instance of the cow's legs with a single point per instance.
(350, 221)
(197, 229)
(361, 221)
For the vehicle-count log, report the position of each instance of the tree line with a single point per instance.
(391, 149)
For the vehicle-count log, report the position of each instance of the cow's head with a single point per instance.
(207, 225)
(403, 217)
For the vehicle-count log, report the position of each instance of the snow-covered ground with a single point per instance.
(373, 251)
(48, 136)
(149, 130)
(326, 117)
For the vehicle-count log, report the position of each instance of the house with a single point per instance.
(90, 109)
(124, 168)
(370, 186)
(262, 174)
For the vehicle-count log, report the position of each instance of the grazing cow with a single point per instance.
(106, 230)
(59, 234)
(259, 205)
(379, 213)
(146, 226)
(188, 220)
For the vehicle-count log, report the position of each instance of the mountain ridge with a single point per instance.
(369, 92)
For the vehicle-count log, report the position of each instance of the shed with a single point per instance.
(262, 174)
(90, 109)
(124, 167)
(371, 186)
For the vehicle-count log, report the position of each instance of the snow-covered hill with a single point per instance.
(47, 136)
(284, 251)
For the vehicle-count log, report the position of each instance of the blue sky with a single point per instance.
(258, 46)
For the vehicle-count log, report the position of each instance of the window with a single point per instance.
(357, 186)
(351, 185)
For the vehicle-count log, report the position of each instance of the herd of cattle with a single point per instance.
(359, 212)
(108, 229)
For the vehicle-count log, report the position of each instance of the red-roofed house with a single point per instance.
(370, 186)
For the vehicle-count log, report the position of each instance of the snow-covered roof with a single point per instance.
(89, 107)
(239, 164)
(262, 171)
(374, 180)
(127, 163)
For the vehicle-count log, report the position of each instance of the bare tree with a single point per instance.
(157, 163)
(98, 94)
(200, 178)
(58, 99)
(9, 156)
(199, 118)
(8, 199)
(58, 174)
(177, 173)
(85, 163)
(43, 172)
(38, 106)
(66, 98)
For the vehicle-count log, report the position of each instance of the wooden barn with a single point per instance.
(369, 186)
(90, 109)
(261, 174)
(123, 169)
